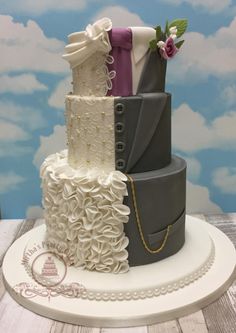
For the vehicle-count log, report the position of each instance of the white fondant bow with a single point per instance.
(83, 44)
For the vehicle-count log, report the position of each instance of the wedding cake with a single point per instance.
(116, 197)
(114, 200)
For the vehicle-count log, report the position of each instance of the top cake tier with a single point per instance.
(108, 61)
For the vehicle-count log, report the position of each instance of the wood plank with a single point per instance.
(231, 216)
(222, 219)
(84, 329)
(140, 329)
(226, 223)
(2, 286)
(194, 323)
(231, 292)
(220, 316)
(25, 226)
(8, 232)
(39, 222)
(59, 327)
(199, 216)
(15, 318)
(219, 218)
(171, 326)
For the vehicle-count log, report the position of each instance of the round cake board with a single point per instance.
(183, 283)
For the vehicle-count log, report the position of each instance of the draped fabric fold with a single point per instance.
(154, 104)
(121, 42)
(83, 44)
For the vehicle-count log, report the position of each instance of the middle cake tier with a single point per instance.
(131, 134)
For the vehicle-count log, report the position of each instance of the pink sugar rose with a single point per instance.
(168, 49)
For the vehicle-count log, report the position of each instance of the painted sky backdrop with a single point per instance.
(34, 80)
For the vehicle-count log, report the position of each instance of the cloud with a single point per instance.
(57, 99)
(204, 56)
(9, 181)
(199, 201)
(20, 84)
(26, 48)
(50, 144)
(16, 122)
(120, 16)
(11, 132)
(193, 167)
(229, 95)
(40, 7)
(212, 6)
(22, 115)
(192, 132)
(224, 178)
(198, 197)
(13, 149)
(34, 212)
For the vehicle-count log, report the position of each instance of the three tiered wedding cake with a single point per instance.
(116, 197)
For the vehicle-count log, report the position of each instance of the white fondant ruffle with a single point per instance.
(85, 214)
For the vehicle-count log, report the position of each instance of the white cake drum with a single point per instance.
(176, 286)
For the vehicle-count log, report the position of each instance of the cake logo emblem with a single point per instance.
(48, 269)
(46, 275)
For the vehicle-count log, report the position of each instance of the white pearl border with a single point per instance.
(151, 292)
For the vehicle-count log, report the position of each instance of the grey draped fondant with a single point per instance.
(143, 151)
(153, 74)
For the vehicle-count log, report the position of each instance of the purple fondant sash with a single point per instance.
(121, 42)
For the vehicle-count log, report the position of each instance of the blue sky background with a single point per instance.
(34, 80)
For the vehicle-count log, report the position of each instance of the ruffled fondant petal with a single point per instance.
(85, 214)
(121, 209)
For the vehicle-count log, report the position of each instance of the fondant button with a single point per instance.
(120, 108)
(119, 127)
(120, 164)
(120, 146)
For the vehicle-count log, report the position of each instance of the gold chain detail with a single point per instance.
(139, 222)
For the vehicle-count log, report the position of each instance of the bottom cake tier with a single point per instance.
(156, 227)
(106, 220)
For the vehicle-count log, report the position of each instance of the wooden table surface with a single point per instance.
(218, 317)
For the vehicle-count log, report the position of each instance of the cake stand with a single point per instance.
(183, 283)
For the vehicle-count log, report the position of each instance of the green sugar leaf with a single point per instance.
(179, 44)
(181, 25)
(153, 44)
(167, 28)
(158, 33)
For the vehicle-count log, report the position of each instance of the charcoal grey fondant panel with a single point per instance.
(143, 132)
(153, 74)
(160, 197)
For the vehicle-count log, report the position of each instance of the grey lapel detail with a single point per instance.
(146, 126)
(153, 74)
